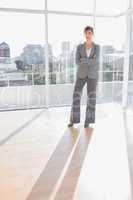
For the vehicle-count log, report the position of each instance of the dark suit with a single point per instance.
(87, 72)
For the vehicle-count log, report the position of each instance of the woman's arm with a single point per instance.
(78, 55)
(94, 60)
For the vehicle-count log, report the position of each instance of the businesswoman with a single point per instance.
(87, 61)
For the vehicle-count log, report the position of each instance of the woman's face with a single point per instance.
(89, 35)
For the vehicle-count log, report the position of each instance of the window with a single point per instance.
(22, 45)
(22, 42)
(110, 33)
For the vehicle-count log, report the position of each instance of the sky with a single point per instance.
(21, 29)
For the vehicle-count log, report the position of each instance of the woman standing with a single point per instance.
(87, 60)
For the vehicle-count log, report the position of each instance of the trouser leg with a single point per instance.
(75, 108)
(91, 101)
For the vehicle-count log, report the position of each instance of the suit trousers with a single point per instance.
(91, 100)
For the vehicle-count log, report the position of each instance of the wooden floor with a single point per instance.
(41, 159)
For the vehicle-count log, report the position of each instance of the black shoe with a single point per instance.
(90, 125)
(86, 125)
(70, 124)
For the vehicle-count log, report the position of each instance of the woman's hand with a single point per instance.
(85, 60)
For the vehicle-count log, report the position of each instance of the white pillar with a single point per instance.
(46, 57)
(101, 72)
(127, 56)
(66, 60)
(94, 16)
(101, 54)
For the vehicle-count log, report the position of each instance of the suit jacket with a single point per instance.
(87, 66)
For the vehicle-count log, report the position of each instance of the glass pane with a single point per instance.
(22, 45)
(110, 34)
(111, 31)
(111, 7)
(30, 4)
(72, 5)
(39, 79)
(63, 40)
(22, 61)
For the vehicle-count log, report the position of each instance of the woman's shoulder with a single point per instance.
(97, 45)
(80, 45)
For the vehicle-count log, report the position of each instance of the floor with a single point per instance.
(128, 126)
(41, 159)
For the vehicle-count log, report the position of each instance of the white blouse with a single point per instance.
(88, 51)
